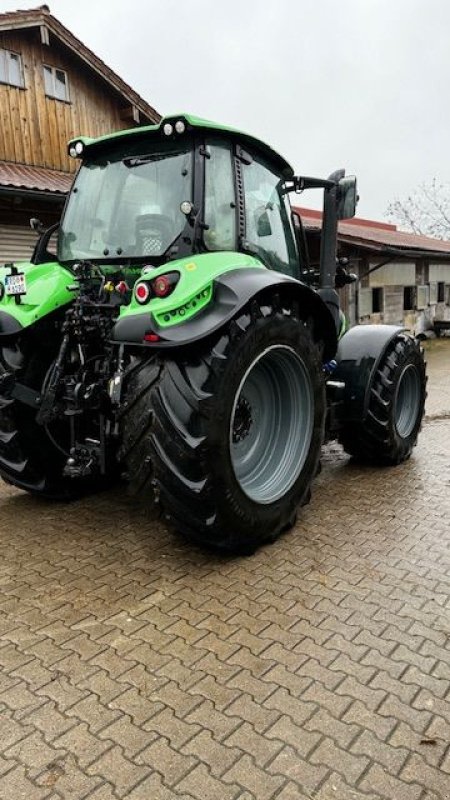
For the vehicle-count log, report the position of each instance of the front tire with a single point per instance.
(233, 438)
(388, 433)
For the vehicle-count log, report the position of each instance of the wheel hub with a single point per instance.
(243, 420)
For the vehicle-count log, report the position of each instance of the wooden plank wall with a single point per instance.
(35, 129)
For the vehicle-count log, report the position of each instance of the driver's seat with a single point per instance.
(153, 234)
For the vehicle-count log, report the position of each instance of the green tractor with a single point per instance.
(181, 341)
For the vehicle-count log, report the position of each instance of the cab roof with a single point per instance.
(192, 123)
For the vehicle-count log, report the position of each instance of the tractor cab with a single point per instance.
(182, 188)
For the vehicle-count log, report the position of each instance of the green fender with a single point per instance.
(212, 289)
(47, 291)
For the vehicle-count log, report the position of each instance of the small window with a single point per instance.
(441, 292)
(220, 203)
(56, 84)
(268, 223)
(11, 71)
(377, 301)
(408, 298)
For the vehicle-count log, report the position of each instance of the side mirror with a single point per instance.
(347, 198)
(263, 226)
(36, 225)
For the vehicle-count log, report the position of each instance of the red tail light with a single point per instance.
(151, 337)
(161, 286)
(142, 292)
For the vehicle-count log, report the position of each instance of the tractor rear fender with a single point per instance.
(232, 291)
(359, 353)
(46, 291)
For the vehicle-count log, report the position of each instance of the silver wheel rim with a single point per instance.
(271, 424)
(407, 401)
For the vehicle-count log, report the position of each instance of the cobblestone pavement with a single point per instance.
(135, 666)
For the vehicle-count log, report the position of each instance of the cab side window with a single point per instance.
(220, 203)
(268, 225)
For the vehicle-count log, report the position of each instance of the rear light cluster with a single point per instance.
(162, 286)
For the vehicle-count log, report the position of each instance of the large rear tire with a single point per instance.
(228, 437)
(388, 433)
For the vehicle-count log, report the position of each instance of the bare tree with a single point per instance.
(426, 211)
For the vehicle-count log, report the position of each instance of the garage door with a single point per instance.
(16, 243)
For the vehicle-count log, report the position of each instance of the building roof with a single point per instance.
(42, 18)
(34, 179)
(381, 237)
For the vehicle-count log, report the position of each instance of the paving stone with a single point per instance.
(378, 781)
(393, 758)
(220, 724)
(261, 784)
(163, 758)
(339, 760)
(381, 726)
(122, 773)
(152, 788)
(15, 784)
(259, 747)
(18, 698)
(218, 757)
(61, 691)
(169, 726)
(49, 720)
(201, 785)
(134, 703)
(327, 725)
(33, 751)
(335, 788)
(127, 735)
(67, 779)
(302, 772)
(82, 744)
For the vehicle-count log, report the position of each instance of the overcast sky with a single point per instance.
(362, 84)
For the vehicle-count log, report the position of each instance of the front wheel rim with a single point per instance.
(407, 401)
(271, 424)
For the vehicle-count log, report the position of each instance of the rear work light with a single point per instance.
(161, 286)
(164, 285)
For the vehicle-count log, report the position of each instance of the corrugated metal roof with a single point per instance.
(35, 17)
(21, 176)
(378, 236)
(400, 239)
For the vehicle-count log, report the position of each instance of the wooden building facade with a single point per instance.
(52, 88)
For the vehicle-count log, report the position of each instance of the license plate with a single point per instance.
(15, 284)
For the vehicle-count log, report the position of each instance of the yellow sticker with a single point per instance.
(191, 266)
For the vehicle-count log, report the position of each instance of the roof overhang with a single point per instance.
(19, 180)
(56, 198)
(380, 239)
(394, 252)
